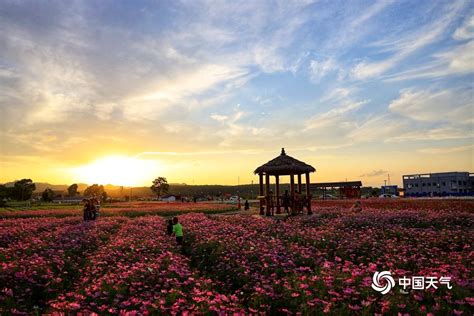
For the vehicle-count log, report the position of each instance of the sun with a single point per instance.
(117, 170)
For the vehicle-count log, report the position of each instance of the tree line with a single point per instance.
(22, 190)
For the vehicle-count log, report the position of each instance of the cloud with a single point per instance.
(446, 150)
(377, 128)
(343, 105)
(454, 106)
(364, 70)
(134, 69)
(219, 118)
(319, 69)
(407, 45)
(455, 62)
(371, 11)
(335, 116)
(338, 94)
(460, 60)
(357, 20)
(466, 30)
(392, 128)
(374, 173)
(432, 134)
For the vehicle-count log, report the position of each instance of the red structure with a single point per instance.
(347, 190)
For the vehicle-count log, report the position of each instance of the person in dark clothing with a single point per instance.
(285, 199)
(246, 205)
(88, 210)
(270, 204)
(169, 227)
(94, 206)
(85, 209)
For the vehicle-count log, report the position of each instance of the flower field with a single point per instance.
(320, 264)
(129, 209)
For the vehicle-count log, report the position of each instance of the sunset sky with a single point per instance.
(203, 92)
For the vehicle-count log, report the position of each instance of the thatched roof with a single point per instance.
(284, 165)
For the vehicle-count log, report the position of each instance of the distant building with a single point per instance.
(347, 189)
(439, 184)
(168, 198)
(389, 189)
(68, 199)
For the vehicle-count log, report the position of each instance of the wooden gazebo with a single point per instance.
(283, 165)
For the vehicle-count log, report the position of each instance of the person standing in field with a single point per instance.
(178, 231)
(270, 204)
(297, 203)
(285, 199)
(94, 206)
(86, 209)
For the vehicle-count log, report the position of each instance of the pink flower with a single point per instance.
(355, 307)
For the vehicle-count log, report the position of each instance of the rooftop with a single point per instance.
(284, 165)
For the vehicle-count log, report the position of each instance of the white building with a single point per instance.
(439, 184)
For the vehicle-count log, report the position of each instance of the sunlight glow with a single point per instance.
(118, 170)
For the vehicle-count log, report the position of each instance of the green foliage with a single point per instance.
(104, 196)
(94, 190)
(47, 195)
(23, 189)
(5, 193)
(72, 190)
(160, 186)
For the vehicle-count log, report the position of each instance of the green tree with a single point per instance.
(72, 190)
(160, 186)
(94, 190)
(47, 195)
(23, 189)
(104, 197)
(5, 193)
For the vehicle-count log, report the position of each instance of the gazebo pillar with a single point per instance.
(308, 194)
(299, 184)
(260, 191)
(267, 194)
(277, 193)
(292, 193)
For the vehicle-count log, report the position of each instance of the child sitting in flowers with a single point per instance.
(178, 231)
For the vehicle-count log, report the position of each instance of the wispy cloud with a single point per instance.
(319, 69)
(343, 104)
(406, 46)
(454, 106)
(466, 30)
(446, 150)
(374, 173)
(457, 61)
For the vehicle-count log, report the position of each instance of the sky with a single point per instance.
(203, 92)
